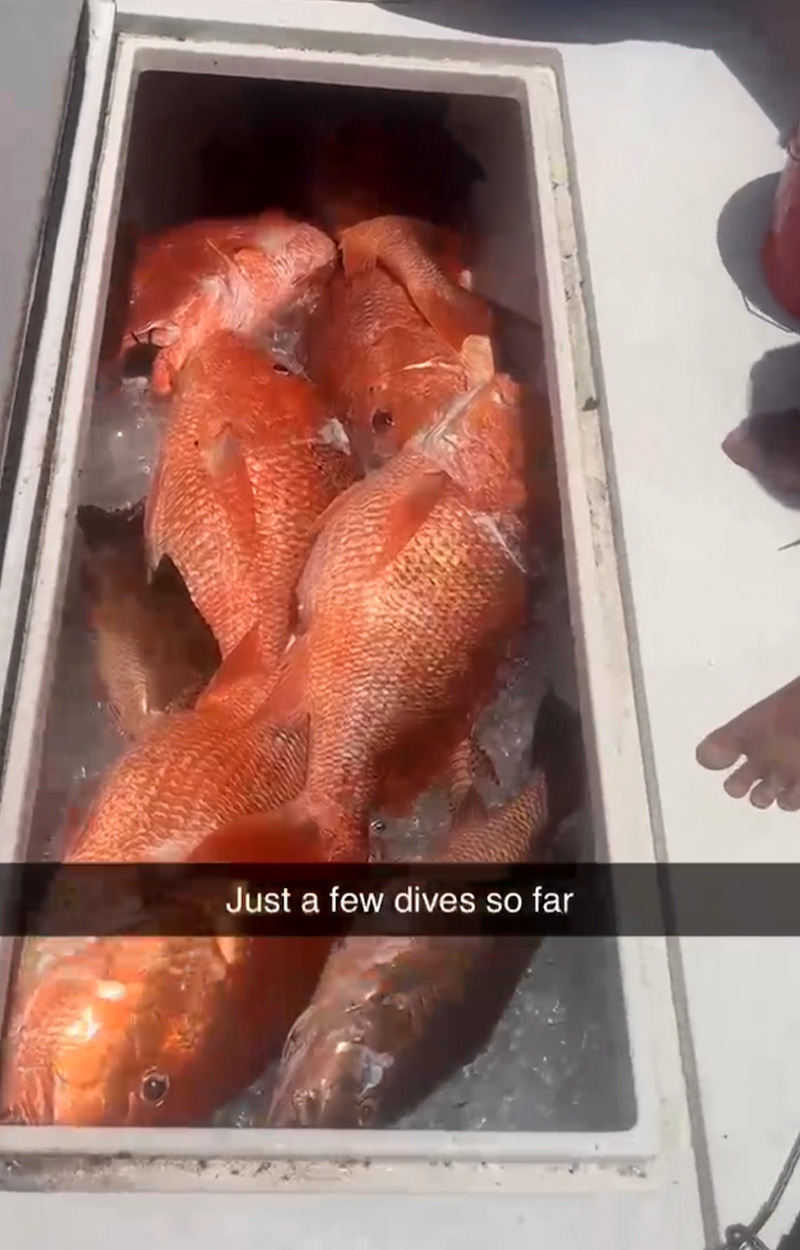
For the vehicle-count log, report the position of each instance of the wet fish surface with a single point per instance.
(251, 457)
(289, 662)
(419, 579)
(205, 276)
(147, 1029)
(142, 1029)
(407, 249)
(392, 1018)
(378, 358)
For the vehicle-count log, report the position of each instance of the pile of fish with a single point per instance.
(352, 517)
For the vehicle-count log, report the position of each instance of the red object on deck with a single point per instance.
(780, 253)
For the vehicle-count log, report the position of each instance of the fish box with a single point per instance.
(584, 1067)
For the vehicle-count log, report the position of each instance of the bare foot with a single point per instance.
(768, 736)
(767, 444)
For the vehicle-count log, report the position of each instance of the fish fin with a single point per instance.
(293, 833)
(469, 808)
(477, 356)
(248, 262)
(262, 838)
(227, 468)
(557, 749)
(162, 381)
(453, 312)
(359, 250)
(109, 531)
(155, 537)
(344, 837)
(397, 242)
(409, 513)
(244, 660)
(285, 697)
(468, 763)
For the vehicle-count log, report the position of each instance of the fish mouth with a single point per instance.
(313, 1108)
(301, 1108)
(301, 1101)
(346, 1094)
(157, 335)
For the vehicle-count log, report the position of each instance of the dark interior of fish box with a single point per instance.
(205, 146)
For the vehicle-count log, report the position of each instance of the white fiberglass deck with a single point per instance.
(664, 136)
(716, 604)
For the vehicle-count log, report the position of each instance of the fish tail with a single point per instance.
(102, 527)
(249, 658)
(452, 311)
(360, 247)
(155, 522)
(298, 832)
(524, 828)
(557, 751)
(263, 838)
(224, 461)
(344, 836)
(468, 763)
(286, 703)
(477, 357)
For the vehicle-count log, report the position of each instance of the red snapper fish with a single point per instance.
(396, 336)
(418, 581)
(394, 1017)
(143, 1029)
(206, 276)
(406, 249)
(250, 459)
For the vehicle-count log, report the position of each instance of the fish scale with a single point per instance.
(187, 777)
(206, 276)
(406, 610)
(372, 351)
(406, 605)
(392, 1017)
(206, 1014)
(247, 466)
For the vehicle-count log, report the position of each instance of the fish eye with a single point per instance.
(282, 369)
(155, 1088)
(382, 420)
